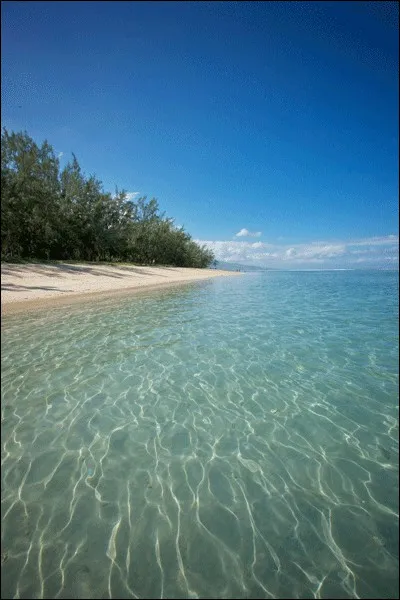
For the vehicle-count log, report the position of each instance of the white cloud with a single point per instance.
(132, 195)
(376, 241)
(60, 154)
(247, 233)
(374, 251)
(316, 251)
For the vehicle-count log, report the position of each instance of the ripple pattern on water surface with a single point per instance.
(237, 438)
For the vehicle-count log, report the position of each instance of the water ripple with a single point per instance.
(238, 438)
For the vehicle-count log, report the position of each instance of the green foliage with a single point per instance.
(53, 215)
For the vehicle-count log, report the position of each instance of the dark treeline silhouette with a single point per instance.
(49, 214)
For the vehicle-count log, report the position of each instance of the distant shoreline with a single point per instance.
(39, 285)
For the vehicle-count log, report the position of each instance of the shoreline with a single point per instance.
(33, 286)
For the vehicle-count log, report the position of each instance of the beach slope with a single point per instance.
(25, 285)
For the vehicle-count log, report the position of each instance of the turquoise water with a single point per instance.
(234, 438)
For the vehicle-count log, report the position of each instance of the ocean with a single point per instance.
(232, 438)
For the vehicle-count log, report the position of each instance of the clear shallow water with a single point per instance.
(232, 438)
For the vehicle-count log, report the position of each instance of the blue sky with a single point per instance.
(272, 118)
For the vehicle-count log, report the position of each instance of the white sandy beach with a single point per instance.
(35, 285)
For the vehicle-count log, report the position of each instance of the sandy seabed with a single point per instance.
(38, 285)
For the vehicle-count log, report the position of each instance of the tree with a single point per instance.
(29, 187)
(48, 214)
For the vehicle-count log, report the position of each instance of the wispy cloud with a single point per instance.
(376, 241)
(374, 251)
(132, 195)
(60, 155)
(247, 233)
